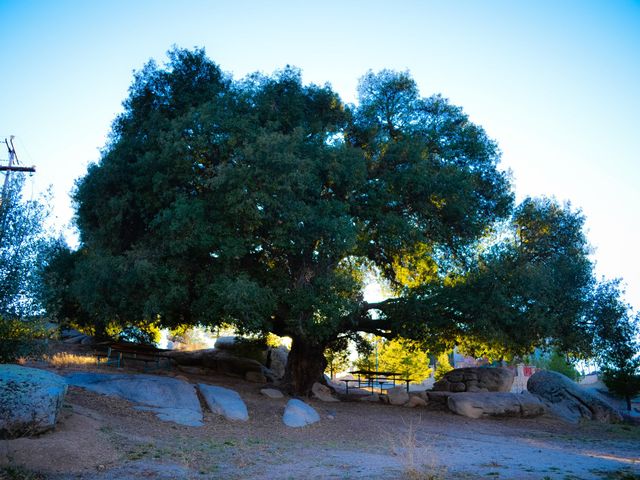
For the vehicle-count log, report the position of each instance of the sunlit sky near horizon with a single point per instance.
(555, 83)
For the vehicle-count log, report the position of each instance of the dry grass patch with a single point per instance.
(418, 459)
(64, 359)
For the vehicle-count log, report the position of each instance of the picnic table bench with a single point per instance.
(118, 354)
(374, 379)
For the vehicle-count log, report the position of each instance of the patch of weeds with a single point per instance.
(622, 431)
(140, 451)
(209, 446)
(160, 453)
(620, 474)
(198, 455)
(19, 473)
(208, 469)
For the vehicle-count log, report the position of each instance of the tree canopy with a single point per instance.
(264, 202)
(617, 343)
(25, 243)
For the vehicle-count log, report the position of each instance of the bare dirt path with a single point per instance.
(104, 438)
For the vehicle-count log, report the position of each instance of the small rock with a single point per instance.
(323, 393)
(415, 401)
(423, 395)
(225, 402)
(271, 393)
(398, 396)
(299, 414)
(277, 361)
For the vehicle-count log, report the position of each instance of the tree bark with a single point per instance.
(305, 366)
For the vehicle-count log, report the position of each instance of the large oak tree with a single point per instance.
(264, 203)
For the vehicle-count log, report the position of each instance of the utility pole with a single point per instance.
(13, 166)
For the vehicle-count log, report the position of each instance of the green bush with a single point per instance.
(21, 339)
(559, 363)
(556, 362)
(623, 380)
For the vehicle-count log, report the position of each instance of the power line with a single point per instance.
(14, 163)
(14, 166)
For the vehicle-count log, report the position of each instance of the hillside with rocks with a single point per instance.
(233, 428)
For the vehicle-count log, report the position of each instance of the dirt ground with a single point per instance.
(105, 438)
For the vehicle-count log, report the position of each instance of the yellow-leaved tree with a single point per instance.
(402, 356)
(443, 365)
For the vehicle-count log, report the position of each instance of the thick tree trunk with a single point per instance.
(305, 366)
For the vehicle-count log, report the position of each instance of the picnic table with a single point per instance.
(118, 353)
(374, 379)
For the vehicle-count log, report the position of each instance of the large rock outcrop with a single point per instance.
(220, 361)
(171, 399)
(568, 400)
(476, 379)
(30, 400)
(274, 358)
(495, 404)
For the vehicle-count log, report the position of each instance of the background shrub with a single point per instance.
(22, 339)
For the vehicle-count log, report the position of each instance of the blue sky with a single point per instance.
(556, 83)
